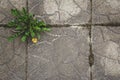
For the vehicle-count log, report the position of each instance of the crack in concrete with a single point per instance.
(69, 25)
(26, 62)
(91, 56)
(26, 57)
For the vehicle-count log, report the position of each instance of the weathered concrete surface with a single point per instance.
(106, 11)
(6, 6)
(106, 48)
(12, 58)
(61, 11)
(61, 54)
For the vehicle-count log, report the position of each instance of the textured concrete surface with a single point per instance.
(6, 6)
(106, 11)
(62, 55)
(106, 48)
(65, 52)
(12, 58)
(61, 11)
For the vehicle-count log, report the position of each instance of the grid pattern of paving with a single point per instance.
(84, 43)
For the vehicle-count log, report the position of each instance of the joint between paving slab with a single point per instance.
(27, 6)
(91, 56)
(90, 21)
(84, 25)
(26, 61)
(26, 58)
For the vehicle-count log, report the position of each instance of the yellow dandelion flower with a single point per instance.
(34, 40)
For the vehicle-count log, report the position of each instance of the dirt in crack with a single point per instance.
(91, 56)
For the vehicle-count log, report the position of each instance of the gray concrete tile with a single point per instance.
(61, 11)
(12, 59)
(106, 48)
(106, 11)
(61, 54)
(6, 6)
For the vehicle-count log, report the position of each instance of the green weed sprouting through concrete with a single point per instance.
(26, 26)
